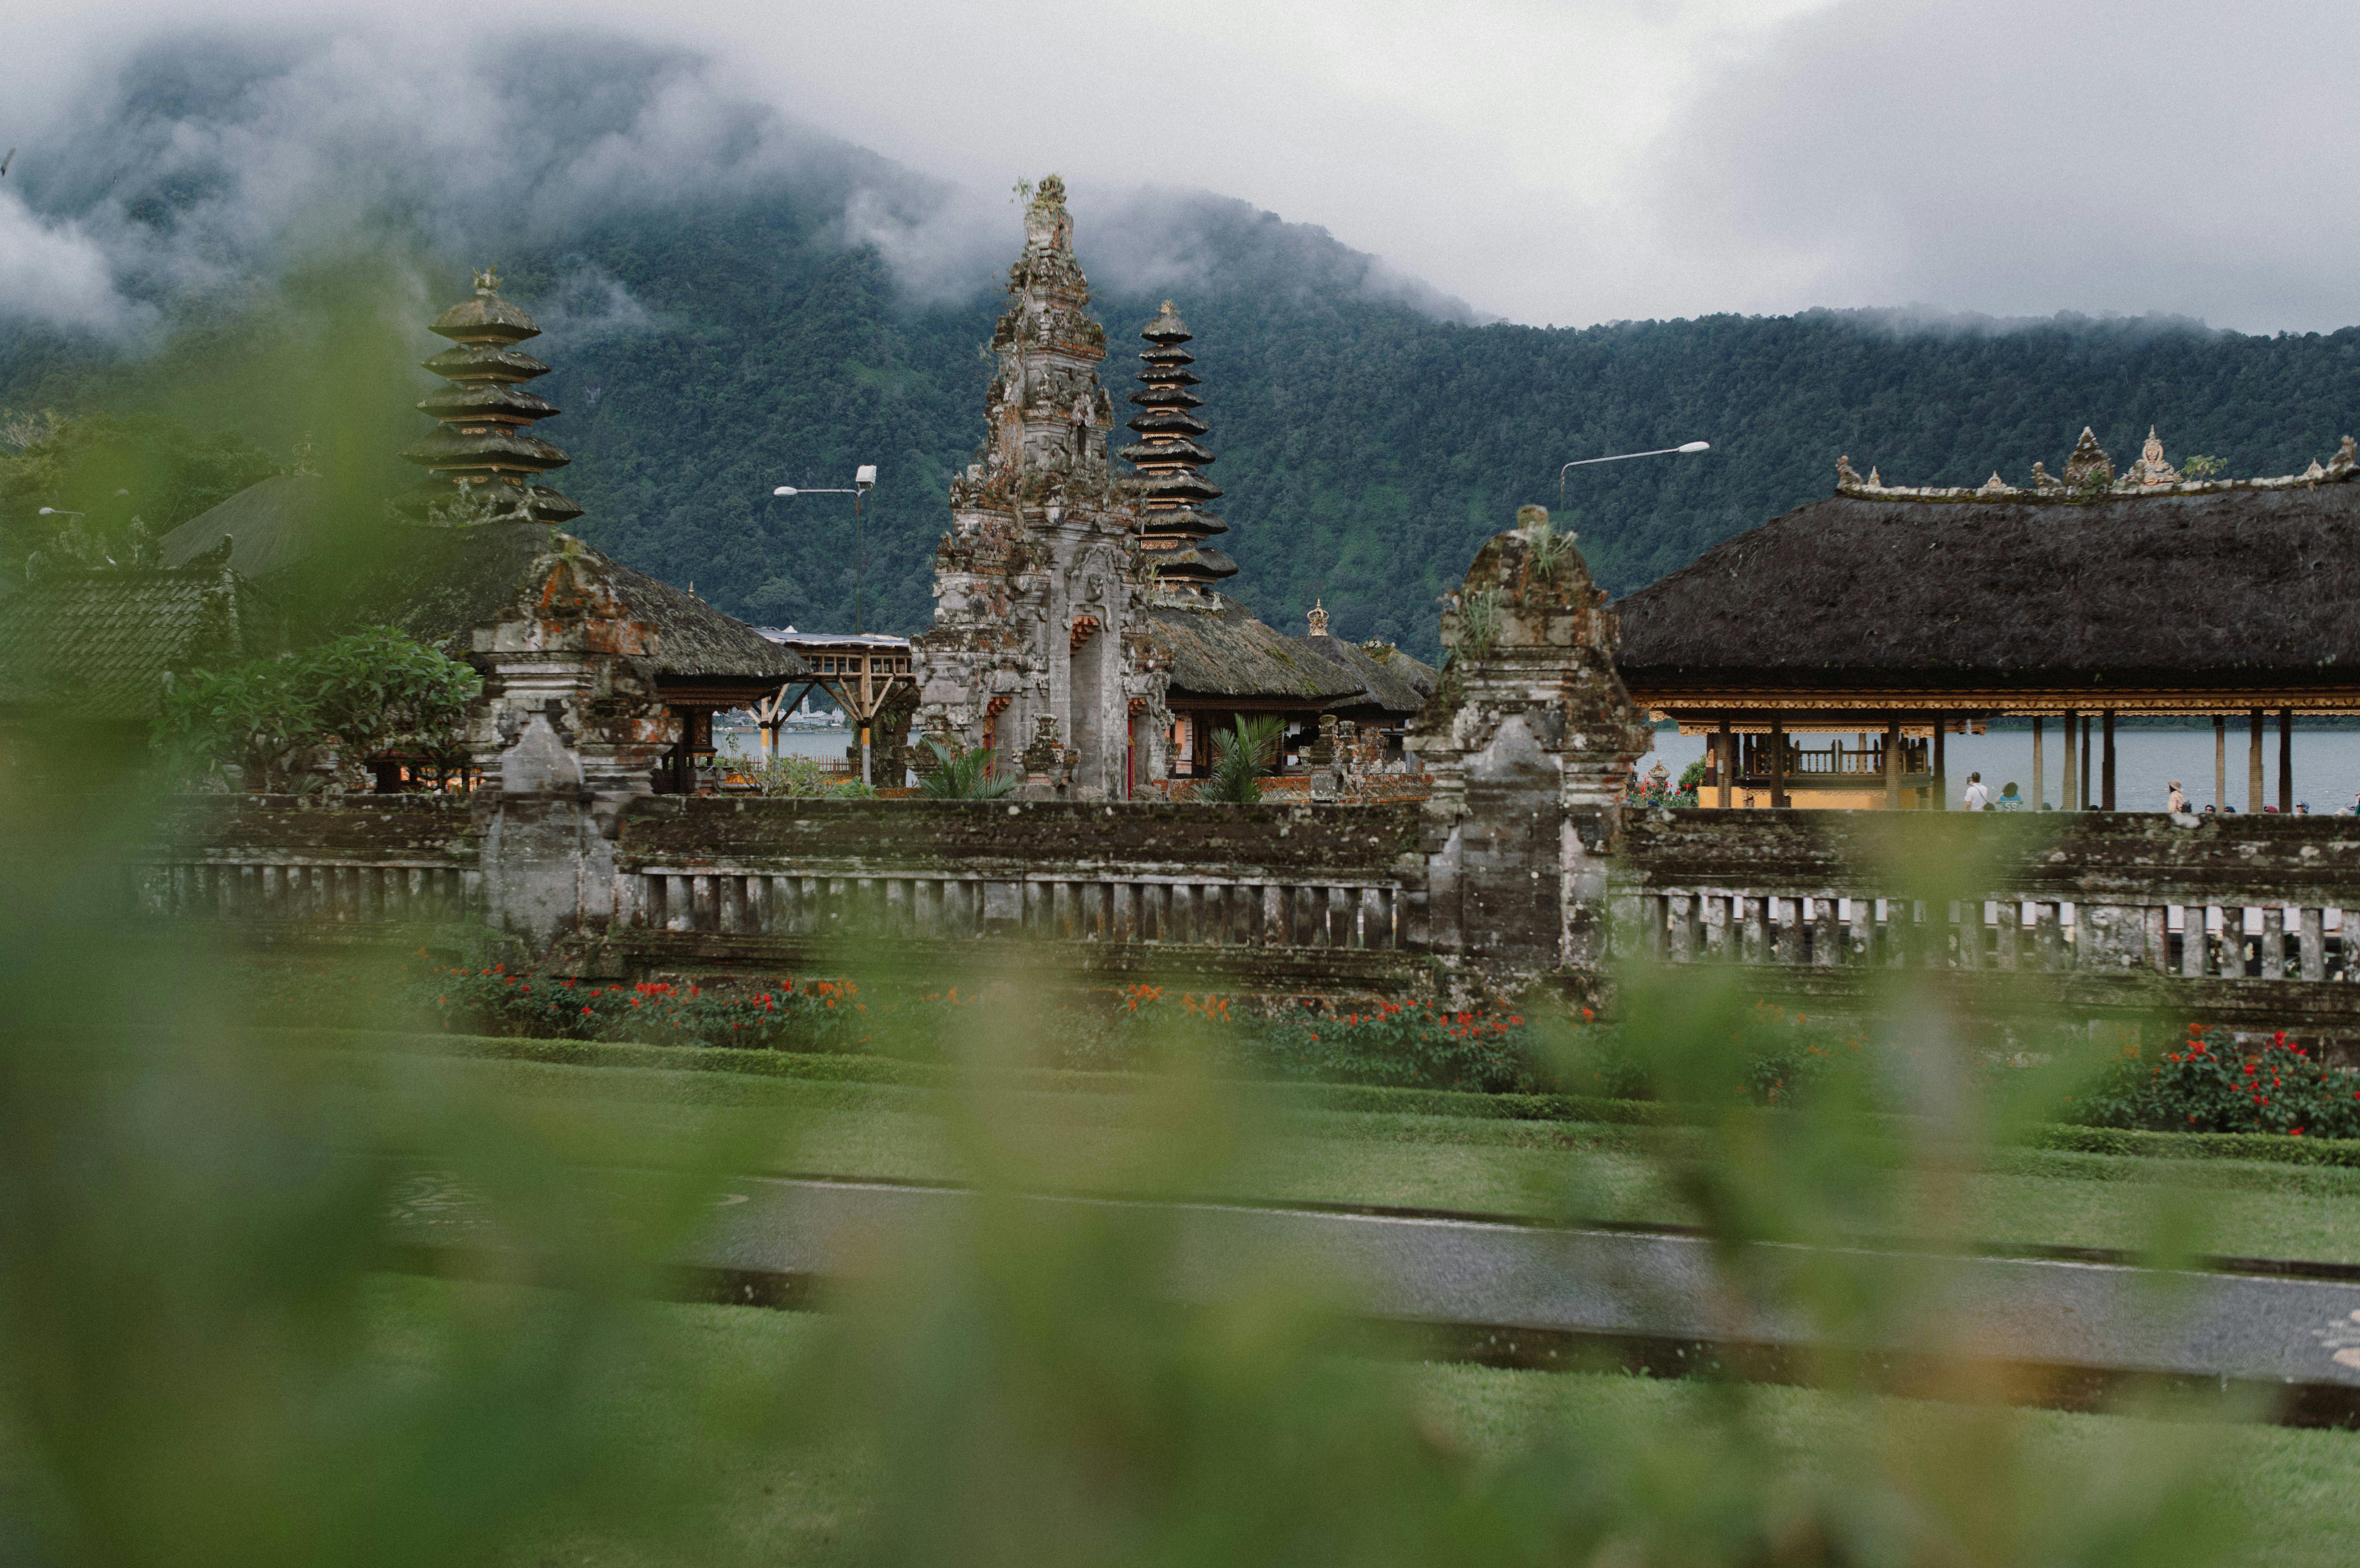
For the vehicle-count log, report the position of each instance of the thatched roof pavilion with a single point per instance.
(1912, 613)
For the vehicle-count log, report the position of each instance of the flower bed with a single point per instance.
(2211, 1083)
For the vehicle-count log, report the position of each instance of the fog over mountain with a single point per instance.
(252, 234)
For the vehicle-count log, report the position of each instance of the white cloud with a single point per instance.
(52, 272)
(1551, 160)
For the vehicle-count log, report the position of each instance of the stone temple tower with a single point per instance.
(1040, 647)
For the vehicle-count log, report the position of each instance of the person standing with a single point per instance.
(2177, 804)
(1978, 797)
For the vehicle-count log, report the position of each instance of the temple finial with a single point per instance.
(1318, 616)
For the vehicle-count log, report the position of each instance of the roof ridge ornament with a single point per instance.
(2088, 458)
(1318, 616)
(1846, 477)
(487, 279)
(2150, 468)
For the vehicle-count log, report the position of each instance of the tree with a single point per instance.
(101, 471)
(363, 695)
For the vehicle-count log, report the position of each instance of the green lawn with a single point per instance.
(2300, 1491)
(1097, 1141)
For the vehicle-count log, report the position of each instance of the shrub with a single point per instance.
(2208, 1084)
(1242, 754)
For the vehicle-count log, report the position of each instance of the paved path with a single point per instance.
(1479, 1274)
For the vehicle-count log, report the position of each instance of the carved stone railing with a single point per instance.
(2239, 914)
(1333, 877)
(360, 860)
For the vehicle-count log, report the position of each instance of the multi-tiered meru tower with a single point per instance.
(1171, 486)
(1040, 645)
(482, 461)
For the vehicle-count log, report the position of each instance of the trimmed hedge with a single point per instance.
(887, 1071)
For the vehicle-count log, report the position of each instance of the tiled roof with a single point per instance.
(99, 642)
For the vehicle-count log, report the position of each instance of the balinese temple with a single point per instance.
(1079, 629)
(1830, 651)
(456, 552)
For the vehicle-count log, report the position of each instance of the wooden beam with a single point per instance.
(1778, 763)
(2067, 787)
(2040, 784)
(2088, 776)
(2254, 765)
(2220, 762)
(2106, 780)
(1725, 759)
(2286, 762)
(1893, 762)
(1941, 791)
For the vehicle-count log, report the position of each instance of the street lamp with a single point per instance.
(863, 479)
(1620, 456)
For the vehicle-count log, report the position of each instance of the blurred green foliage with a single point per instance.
(196, 1363)
(111, 468)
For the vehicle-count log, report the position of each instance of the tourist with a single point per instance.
(2209, 810)
(2178, 802)
(1978, 793)
(2302, 807)
(2009, 801)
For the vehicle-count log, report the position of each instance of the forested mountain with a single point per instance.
(707, 350)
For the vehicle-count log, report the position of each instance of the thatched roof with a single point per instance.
(270, 521)
(1390, 682)
(1229, 653)
(442, 583)
(2246, 589)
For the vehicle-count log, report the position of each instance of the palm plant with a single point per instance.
(1241, 755)
(963, 775)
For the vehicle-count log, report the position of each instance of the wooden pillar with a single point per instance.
(1941, 791)
(2254, 765)
(1725, 754)
(2068, 789)
(2286, 762)
(1893, 763)
(2087, 777)
(1778, 764)
(2040, 784)
(2106, 778)
(2220, 762)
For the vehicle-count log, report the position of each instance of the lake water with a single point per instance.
(826, 743)
(2326, 764)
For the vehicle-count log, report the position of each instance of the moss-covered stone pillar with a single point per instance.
(1528, 739)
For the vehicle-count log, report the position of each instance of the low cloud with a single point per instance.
(53, 273)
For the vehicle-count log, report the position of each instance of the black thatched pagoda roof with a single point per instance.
(1392, 684)
(1226, 652)
(2241, 591)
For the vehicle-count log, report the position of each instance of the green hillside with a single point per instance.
(1366, 445)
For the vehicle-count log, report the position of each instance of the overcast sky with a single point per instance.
(1572, 162)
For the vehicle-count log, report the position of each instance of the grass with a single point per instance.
(1535, 1168)
(2298, 1490)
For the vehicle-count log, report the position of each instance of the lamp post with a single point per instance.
(1620, 456)
(864, 480)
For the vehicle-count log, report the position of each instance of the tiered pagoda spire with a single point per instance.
(482, 450)
(1171, 488)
